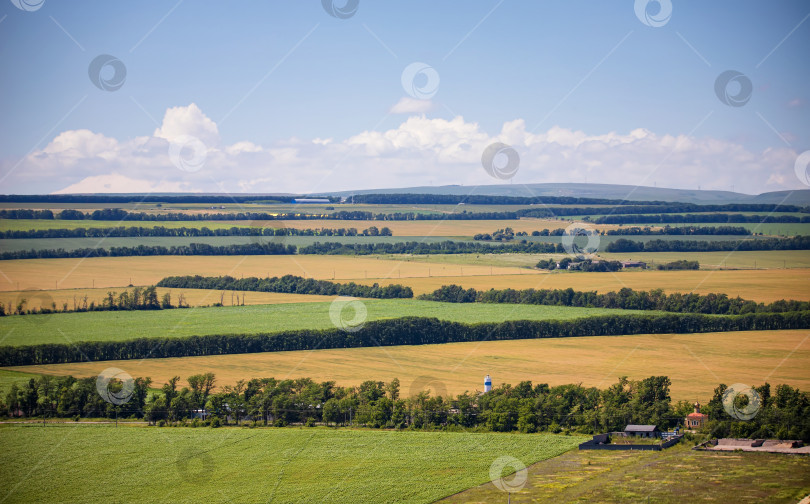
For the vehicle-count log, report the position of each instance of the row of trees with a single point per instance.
(668, 230)
(289, 284)
(413, 247)
(626, 298)
(619, 214)
(697, 218)
(154, 250)
(149, 198)
(444, 247)
(784, 414)
(619, 206)
(138, 231)
(588, 265)
(399, 331)
(683, 264)
(625, 245)
(140, 298)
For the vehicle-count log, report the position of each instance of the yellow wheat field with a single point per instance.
(696, 363)
(193, 297)
(119, 272)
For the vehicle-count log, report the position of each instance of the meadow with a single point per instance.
(95, 326)
(143, 464)
(671, 476)
(696, 363)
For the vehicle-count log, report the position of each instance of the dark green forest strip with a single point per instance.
(626, 299)
(401, 331)
(289, 284)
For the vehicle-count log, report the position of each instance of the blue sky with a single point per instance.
(309, 99)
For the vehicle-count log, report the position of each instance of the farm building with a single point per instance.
(696, 420)
(634, 264)
(642, 431)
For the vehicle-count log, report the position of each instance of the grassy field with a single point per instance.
(696, 363)
(140, 464)
(95, 326)
(672, 476)
(194, 297)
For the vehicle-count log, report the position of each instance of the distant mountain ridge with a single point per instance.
(605, 191)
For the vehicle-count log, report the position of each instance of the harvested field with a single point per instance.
(696, 363)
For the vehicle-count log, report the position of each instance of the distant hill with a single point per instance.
(606, 191)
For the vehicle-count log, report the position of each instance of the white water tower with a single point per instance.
(487, 384)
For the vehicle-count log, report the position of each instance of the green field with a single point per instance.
(672, 476)
(150, 464)
(124, 325)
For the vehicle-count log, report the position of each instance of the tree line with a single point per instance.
(444, 247)
(399, 331)
(140, 298)
(792, 243)
(525, 407)
(147, 198)
(624, 206)
(626, 299)
(290, 284)
(138, 231)
(682, 264)
(202, 249)
(698, 218)
(617, 215)
(411, 247)
(676, 231)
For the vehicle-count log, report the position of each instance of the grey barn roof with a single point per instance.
(640, 428)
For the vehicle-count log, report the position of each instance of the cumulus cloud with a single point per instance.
(408, 105)
(188, 121)
(419, 151)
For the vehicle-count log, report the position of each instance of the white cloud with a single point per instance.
(408, 105)
(180, 121)
(420, 151)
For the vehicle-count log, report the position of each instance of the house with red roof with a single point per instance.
(696, 420)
